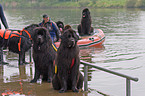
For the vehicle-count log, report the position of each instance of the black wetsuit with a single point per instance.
(2, 17)
(3, 20)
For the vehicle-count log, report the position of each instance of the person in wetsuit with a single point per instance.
(4, 22)
(2, 17)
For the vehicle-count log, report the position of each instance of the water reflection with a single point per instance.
(87, 54)
(10, 74)
(13, 73)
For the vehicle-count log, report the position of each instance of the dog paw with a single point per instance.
(33, 81)
(21, 63)
(75, 90)
(3, 63)
(62, 90)
(26, 62)
(49, 80)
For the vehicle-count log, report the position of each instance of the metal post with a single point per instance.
(1, 53)
(30, 55)
(85, 78)
(128, 87)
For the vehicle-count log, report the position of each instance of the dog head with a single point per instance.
(60, 25)
(67, 27)
(85, 13)
(31, 27)
(41, 35)
(69, 38)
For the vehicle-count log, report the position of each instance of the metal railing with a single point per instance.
(128, 78)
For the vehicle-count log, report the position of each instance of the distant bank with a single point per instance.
(73, 3)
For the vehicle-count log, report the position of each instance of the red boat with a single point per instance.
(93, 40)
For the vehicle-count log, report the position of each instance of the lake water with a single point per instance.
(123, 51)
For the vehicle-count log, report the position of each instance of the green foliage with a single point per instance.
(73, 3)
(84, 3)
(66, 4)
(140, 3)
(130, 3)
(135, 3)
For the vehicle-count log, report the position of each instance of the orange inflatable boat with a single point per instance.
(93, 40)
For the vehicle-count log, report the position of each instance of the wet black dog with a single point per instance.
(60, 25)
(67, 27)
(18, 41)
(85, 27)
(68, 76)
(43, 55)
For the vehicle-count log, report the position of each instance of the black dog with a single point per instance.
(68, 76)
(17, 41)
(43, 55)
(67, 27)
(60, 25)
(85, 27)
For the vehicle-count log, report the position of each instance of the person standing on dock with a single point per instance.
(2, 17)
(4, 22)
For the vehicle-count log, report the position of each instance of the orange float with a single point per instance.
(93, 40)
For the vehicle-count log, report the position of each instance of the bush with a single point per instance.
(84, 3)
(130, 3)
(140, 4)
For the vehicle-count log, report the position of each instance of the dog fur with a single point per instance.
(43, 55)
(25, 44)
(85, 27)
(68, 77)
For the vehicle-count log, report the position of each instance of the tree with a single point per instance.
(130, 3)
(140, 3)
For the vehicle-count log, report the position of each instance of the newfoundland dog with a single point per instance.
(43, 55)
(68, 76)
(60, 25)
(85, 27)
(17, 41)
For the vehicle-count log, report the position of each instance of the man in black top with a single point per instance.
(2, 17)
(3, 20)
(52, 27)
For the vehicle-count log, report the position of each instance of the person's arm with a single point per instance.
(2, 17)
(40, 24)
(57, 31)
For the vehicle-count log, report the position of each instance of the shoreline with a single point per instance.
(68, 4)
(52, 7)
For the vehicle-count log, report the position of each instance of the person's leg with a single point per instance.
(52, 39)
(1, 57)
(0, 50)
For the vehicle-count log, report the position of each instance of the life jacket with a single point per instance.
(7, 34)
(47, 25)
